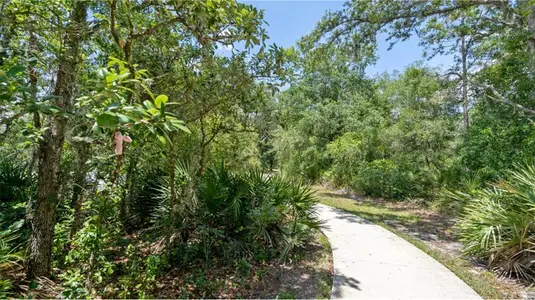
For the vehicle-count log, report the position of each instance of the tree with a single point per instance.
(330, 97)
(51, 146)
(355, 29)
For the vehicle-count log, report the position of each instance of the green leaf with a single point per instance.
(148, 104)
(147, 90)
(107, 120)
(102, 73)
(111, 77)
(113, 106)
(181, 127)
(162, 110)
(49, 109)
(95, 129)
(175, 121)
(124, 118)
(160, 99)
(162, 139)
(15, 70)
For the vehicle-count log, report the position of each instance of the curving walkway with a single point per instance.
(372, 262)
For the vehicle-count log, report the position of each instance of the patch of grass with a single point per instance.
(325, 282)
(325, 278)
(323, 241)
(485, 284)
(373, 212)
(286, 295)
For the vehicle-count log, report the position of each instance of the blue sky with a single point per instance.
(289, 20)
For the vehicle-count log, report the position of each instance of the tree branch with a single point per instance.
(113, 12)
(158, 26)
(497, 97)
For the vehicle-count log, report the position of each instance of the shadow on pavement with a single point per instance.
(342, 280)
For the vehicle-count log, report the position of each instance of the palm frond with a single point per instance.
(498, 223)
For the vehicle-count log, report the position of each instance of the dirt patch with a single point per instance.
(307, 274)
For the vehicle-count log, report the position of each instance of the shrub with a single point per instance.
(384, 178)
(140, 274)
(347, 158)
(17, 187)
(15, 182)
(143, 201)
(498, 224)
(251, 211)
(453, 202)
(10, 255)
(241, 215)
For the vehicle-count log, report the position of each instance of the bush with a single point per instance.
(224, 216)
(236, 215)
(15, 182)
(249, 212)
(10, 255)
(17, 187)
(347, 158)
(453, 202)
(140, 275)
(498, 224)
(384, 178)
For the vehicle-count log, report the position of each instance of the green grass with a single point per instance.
(325, 279)
(485, 284)
(374, 213)
(286, 295)
(322, 239)
(325, 285)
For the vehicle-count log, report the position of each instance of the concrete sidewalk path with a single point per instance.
(372, 262)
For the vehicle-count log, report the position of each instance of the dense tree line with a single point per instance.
(342, 119)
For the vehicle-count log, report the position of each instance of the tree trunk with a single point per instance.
(464, 54)
(50, 149)
(530, 16)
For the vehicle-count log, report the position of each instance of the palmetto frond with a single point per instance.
(499, 223)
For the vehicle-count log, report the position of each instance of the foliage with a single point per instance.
(236, 216)
(395, 143)
(139, 273)
(348, 154)
(14, 181)
(382, 178)
(11, 255)
(17, 187)
(244, 214)
(497, 223)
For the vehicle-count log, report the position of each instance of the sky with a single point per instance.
(288, 20)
